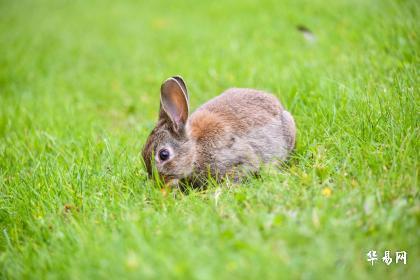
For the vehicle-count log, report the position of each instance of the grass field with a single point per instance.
(79, 91)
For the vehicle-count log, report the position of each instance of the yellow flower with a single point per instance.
(326, 192)
(132, 261)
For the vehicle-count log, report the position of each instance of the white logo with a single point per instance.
(387, 259)
(400, 257)
(372, 256)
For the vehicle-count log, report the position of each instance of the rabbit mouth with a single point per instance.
(168, 178)
(172, 182)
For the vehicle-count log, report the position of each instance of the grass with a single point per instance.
(79, 91)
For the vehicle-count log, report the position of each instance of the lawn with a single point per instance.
(79, 93)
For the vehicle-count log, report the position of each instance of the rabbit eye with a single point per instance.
(164, 154)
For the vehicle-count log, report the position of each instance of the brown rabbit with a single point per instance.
(230, 135)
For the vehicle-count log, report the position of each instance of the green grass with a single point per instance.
(79, 91)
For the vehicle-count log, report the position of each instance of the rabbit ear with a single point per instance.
(174, 102)
(181, 82)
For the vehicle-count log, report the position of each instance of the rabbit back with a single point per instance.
(240, 129)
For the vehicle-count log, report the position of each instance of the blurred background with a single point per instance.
(110, 57)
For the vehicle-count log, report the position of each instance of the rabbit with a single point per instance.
(231, 135)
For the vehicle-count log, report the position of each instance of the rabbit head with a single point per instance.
(168, 149)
